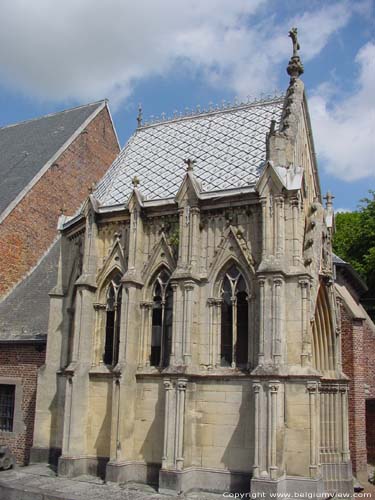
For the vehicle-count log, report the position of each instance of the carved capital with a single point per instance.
(262, 280)
(189, 285)
(312, 387)
(278, 281)
(146, 305)
(168, 385)
(273, 387)
(256, 388)
(98, 306)
(182, 384)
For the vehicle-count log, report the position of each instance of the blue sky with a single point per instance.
(173, 54)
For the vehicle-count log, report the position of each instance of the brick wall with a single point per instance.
(352, 332)
(30, 228)
(22, 362)
(369, 361)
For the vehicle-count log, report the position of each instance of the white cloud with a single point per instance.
(89, 49)
(344, 131)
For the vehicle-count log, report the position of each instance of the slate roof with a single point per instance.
(27, 146)
(228, 145)
(24, 312)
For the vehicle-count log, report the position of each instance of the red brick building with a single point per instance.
(47, 166)
(358, 358)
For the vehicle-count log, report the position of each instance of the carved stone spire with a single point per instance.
(295, 66)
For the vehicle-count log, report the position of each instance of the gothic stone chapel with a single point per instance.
(193, 338)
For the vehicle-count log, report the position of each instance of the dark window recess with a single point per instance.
(234, 319)
(162, 311)
(7, 397)
(112, 326)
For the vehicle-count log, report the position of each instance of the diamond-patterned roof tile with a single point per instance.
(229, 147)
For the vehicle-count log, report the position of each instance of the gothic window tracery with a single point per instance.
(162, 310)
(113, 318)
(234, 333)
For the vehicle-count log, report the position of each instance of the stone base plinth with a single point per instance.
(139, 472)
(40, 455)
(199, 479)
(294, 487)
(76, 466)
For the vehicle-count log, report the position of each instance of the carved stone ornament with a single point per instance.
(295, 66)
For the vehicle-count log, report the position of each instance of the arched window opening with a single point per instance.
(113, 318)
(323, 335)
(234, 319)
(162, 310)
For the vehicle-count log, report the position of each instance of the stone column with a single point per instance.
(257, 430)
(295, 220)
(345, 453)
(251, 347)
(177, 325)
(312, 388)
(115, 422)
(277, 321)
(187, 321)
(145, 336)
(272, 431)
(180, 420)
(194, 236)
(169, 425)
(305, 320)
(280, 226)
(67, 414)
(265, 242)
(234, 330)
(262, 313)
(217, 330)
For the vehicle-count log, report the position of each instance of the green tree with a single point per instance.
(354, 240)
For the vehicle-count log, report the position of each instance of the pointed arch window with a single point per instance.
(162, 311)
(113, 318)
(234, 338)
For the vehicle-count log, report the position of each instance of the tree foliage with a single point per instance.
(354, 239)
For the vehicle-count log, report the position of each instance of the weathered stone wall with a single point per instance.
(99, 417)
(219, 425)
(149, 421)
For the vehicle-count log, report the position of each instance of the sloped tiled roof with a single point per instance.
(24, 312)
(228, 145)
(27, 146)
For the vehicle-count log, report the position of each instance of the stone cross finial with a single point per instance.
(135, 181)
(293, 36)
(140, 116)
(295, 66)
(189, 164)
(329, 199)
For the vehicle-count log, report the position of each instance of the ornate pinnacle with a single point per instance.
(295, 66)
(189, 164)
(139, 117)
(135, 181)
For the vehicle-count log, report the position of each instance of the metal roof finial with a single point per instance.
(295, 66)
(189, 164)
(140, 116)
